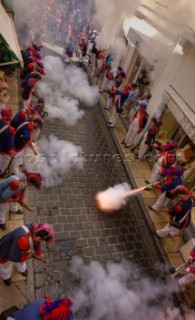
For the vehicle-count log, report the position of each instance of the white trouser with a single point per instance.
(4, 161)
(109, 102)
(162, 201)
(18, 160)
(13, 206)
(35, 134)
(26, 102)
(58, 34)
(105, 84)
(93, 59)
(132, 132)
(137, 139)
(131, 114)
(81, 55)
(156, 171)
(68, 36)
(143, 147)
(4, 208)
(6, 268)
(168, 230)
(89, 47)
(114, 117)
(66, 58)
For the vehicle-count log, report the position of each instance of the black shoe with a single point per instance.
(25, 273)
(126, 146)
(147, 181)
(123, 141)
(172, 270)
(3, 226)
(7, 282)
(109, 122)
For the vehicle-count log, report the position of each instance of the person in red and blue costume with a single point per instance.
(149, 137)
(166, 159)
(22, 138)
(117, 81)
(107, 82)
(24, 115)
(28, 86)
(19, 118)
(122, 96)
(45, 309)
(189, 271)
(173, 178)
(180, 213)
(22, 244)
(170, 145)
(28, 68)
(32, 51)
(136, 127)
(7, 133)
(13, 188)
(39, 107)
(39, 67)
(119, 77)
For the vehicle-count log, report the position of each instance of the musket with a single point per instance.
(24, 205)
(181, 268)
(130, 192)
(37, 257)
(6, 173)
(32, 146)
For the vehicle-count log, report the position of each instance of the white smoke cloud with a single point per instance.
(182, 11)
(113, 198)
(109, 293)
(109, 15)
(63, 88)
(55, 161)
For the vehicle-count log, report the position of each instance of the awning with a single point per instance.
(151, 43)
(10, 47)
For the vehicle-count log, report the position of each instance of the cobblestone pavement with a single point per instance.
(80, 228)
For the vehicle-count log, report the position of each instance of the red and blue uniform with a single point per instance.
(15, 245)
(20, 117)
(170, 184)
(167, 160)
(7, 133)
(143, 118)
(119, 102)
(23, 135)
(29, 67)
(192, 256)
(28, 84)
(13, 188)
(180, 210)
(151, 134)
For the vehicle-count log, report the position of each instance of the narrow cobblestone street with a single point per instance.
(80, 229)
